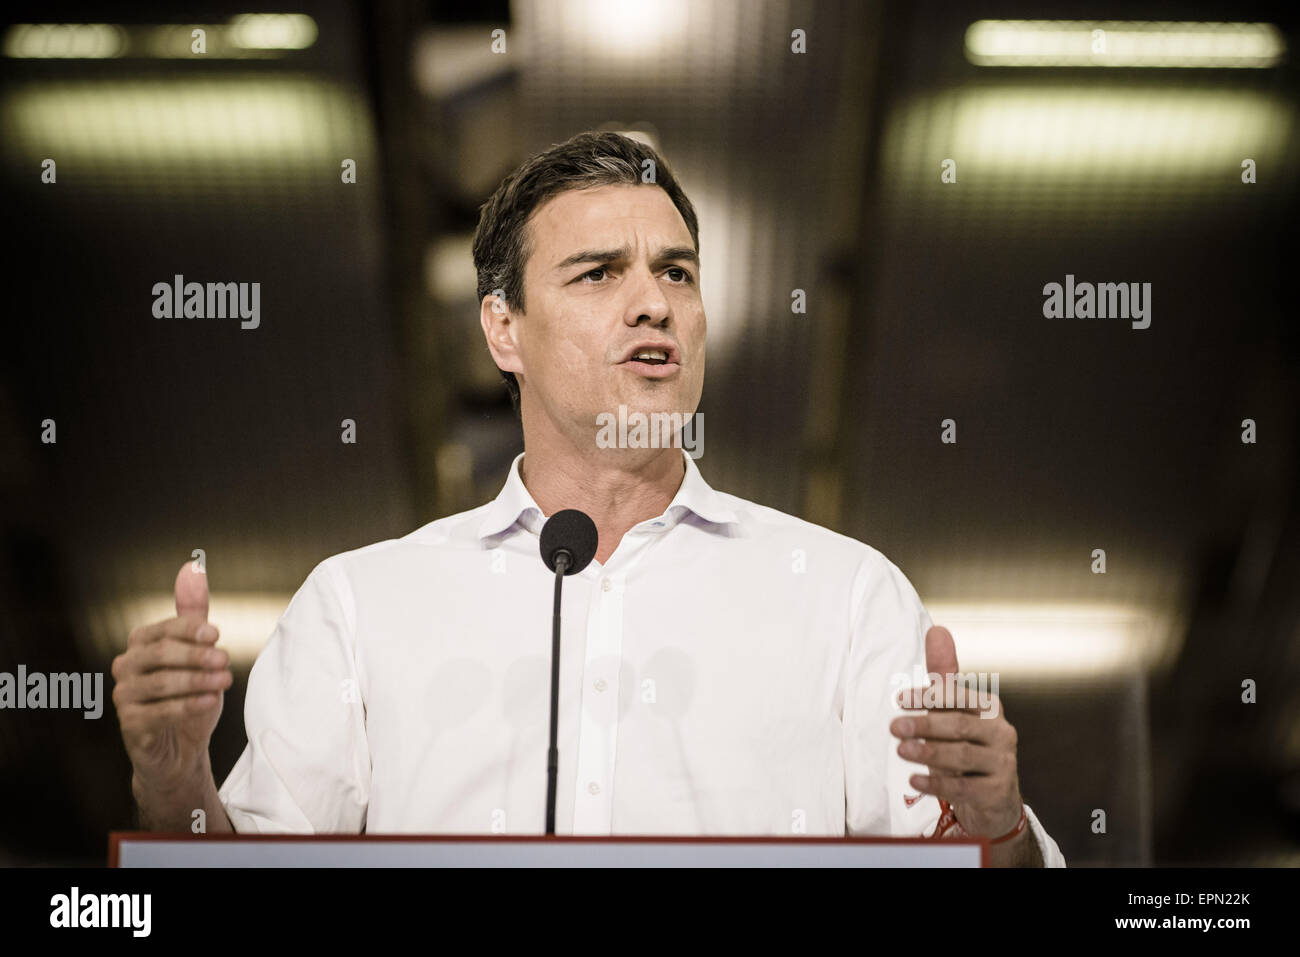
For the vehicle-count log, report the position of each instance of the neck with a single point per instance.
(618, 488)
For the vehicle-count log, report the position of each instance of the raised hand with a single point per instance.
(170, 683)
(967, 744)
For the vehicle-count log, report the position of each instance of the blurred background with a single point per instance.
(816, 163)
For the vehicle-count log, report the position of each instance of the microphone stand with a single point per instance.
(562, 561)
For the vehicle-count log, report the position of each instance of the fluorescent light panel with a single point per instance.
(1055, 641)
(1052, 641)
(295, 122)
(245, 620)
(1119, 43)
(1056, 135)
(247, 35)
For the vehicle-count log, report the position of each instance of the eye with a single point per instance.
(684, 275)
(592, 272)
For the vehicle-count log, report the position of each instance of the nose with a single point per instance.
(646, 301)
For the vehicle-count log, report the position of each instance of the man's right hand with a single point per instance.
(169, 687)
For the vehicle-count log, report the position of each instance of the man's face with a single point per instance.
(611, 272)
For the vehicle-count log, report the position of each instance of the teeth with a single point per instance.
(651, 354)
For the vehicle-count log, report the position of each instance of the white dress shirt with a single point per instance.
(730, 670)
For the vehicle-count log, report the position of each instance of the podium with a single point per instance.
(129, 849)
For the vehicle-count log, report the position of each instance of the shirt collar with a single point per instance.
(515, 504)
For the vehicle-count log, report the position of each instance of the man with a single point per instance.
(725, 668)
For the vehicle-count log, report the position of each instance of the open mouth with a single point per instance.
(651, 366)
(652, 356)
(654, 361)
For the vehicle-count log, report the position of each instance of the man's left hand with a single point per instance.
(970, 752)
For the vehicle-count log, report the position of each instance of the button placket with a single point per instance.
(598, 724)
(599, 709)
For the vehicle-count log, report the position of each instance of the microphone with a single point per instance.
(570, 536)
(568, 544)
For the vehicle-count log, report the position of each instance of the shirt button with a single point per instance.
(593, 787)
(606, 585)
(600, 684)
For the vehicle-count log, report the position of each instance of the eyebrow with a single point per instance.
(667, 254)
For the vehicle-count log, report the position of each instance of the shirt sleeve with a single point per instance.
(306, 767)
(887, 655)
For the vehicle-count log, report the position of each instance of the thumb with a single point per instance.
(191, 591)
(940, 651)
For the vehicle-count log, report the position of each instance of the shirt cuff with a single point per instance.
(1052, 856)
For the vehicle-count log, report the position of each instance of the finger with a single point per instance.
(940, 651)
(959, 789)
(954, 757)
(136, 716)
(191, 591)
(946, 726)
(176, 653)
(166, 652)
(951, 696)
(170, 683)
(189, 628)
(970, 691)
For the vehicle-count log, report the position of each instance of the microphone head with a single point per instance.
(571, 531)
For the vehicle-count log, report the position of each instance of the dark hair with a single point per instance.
(583, 162)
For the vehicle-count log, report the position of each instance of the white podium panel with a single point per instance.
(242, 850)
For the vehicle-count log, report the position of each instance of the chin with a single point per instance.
(656, 405)
(646, 422)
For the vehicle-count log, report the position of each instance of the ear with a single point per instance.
(500, 326)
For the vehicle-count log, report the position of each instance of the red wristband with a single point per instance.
(948, 822)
